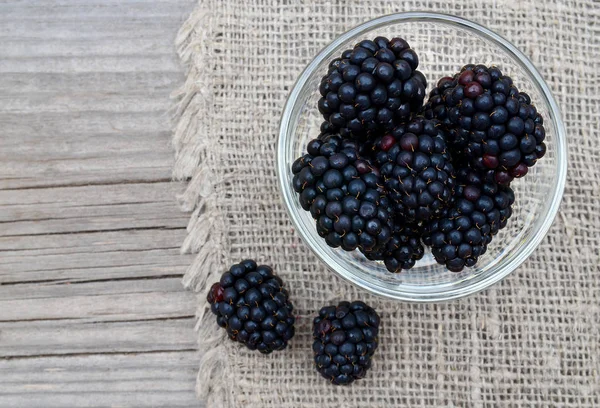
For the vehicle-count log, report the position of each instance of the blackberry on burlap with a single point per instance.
(345, 339)
(252, 305)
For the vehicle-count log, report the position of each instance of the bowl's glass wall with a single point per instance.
(443, 47)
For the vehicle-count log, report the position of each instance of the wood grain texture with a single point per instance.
(160, 379)
(92, 311)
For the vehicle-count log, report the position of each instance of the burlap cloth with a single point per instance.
(531, 340)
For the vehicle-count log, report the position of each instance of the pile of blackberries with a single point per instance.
(388, 173)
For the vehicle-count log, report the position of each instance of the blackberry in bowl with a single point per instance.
(344, 195)
(537, 195)
(371, 88)
(417, 169)
(489, 121)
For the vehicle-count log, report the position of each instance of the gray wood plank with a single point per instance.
(97, 148)
(89, 208)
(99, 301)
(58, 290)
(77, 85)
(162, 379)
(64, 337)
(119, 254)
(98, 317)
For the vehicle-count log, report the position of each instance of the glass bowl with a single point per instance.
(444, 44)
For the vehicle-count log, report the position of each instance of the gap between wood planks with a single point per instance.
(95, 184)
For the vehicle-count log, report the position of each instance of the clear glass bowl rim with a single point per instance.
(390, 290)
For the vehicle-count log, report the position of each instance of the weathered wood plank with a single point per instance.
(107, 8)
(93, 123)
(90, 64)
(93, 173)
(164, 379)
(58, 337)
(94, 302)
(92, 256)
(96, 317)
(60, 290)
(118, 162)
(149, 231)
(98, 147)
(95, 84)
(89, 208)
(93, 102)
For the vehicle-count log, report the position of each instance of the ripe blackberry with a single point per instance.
(417, 169)
(344, 194)
(252, 305)
(345, 338)
(488, 119)
(462, 233)
(371, 88)
(403, 250)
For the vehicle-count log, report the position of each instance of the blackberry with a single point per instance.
(343, 193)
(371, 88)
(252, 305)
(488, 119)
(417, 170)
(463, 232)
(345, 338)
(403, 250)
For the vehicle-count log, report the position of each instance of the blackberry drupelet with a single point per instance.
(488, 119)
(344, 194)
(371, 88)
(345, 338)
(462, 233)
(252, 305)
(417, 169)
(403, 250)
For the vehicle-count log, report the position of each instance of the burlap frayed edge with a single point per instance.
(195, 159)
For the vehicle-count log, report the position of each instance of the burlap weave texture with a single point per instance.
(531, 340)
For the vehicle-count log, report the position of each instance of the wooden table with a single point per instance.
(92, 311)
